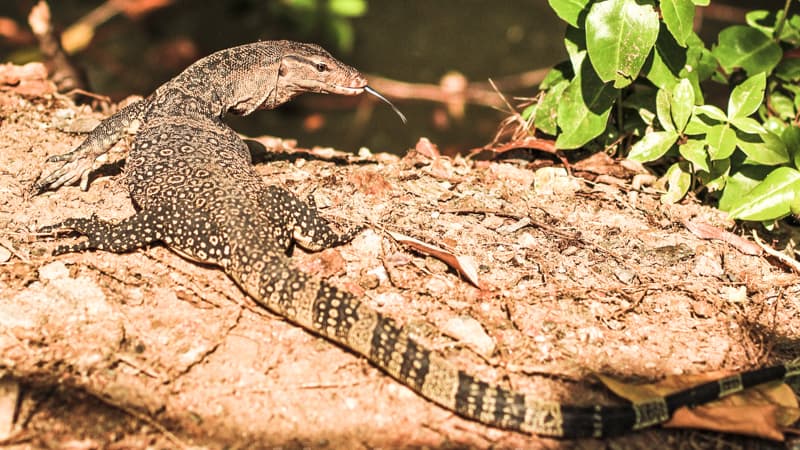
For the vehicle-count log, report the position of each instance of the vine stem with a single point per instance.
(781, 21)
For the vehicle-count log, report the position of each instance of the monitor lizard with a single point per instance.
(195, 189)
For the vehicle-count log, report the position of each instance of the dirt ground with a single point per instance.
(575, 277)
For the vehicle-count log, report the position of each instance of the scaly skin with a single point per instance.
(192, 181)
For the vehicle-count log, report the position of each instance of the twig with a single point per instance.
(793, 264)
(479, 93)
(63, 73)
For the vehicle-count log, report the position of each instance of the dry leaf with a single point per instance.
(761, 411)
(707, 231)
(468, 330)
(427, 148)
(464, 264)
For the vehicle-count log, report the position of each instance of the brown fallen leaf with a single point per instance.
(705, 230)
(427, 148)
(761, 411)
(601, 164)
(464, 264)
(468, 330)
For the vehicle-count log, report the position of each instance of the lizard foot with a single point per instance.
(348, 235)
(74, 169)
(91, 227)
(81, 225)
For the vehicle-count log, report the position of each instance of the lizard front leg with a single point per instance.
(79, 163)
(134, 232)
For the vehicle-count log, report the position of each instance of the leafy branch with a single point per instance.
(644, 59)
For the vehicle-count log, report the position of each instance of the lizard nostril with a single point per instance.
(358, 82)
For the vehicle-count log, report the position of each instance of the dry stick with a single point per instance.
(480, 93)
(65, 75)
(793, 264)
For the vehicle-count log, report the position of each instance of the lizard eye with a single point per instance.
(321, 67)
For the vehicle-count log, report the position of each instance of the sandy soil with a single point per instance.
(148, 350)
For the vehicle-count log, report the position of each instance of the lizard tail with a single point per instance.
(342, 318)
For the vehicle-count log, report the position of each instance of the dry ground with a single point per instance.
(148, 350)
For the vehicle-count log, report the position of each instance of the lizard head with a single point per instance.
(268, 74)
(304, 68)
(309, 68)
(287, 69)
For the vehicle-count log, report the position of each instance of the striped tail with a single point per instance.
(340, 317)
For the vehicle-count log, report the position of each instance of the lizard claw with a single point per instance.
(77, 169)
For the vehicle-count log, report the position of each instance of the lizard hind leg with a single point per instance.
(134, 232)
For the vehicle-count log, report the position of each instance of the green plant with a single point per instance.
(636, 79)
(331, 16)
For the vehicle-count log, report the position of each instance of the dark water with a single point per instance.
(410, 40)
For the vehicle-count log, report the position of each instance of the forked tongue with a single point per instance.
(394, 108)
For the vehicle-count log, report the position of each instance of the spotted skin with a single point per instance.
(192, 181)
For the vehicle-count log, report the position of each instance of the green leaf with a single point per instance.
(560, 72)
(748, 125)
(748, 48)
(653, 146)
(304, 5)
(642, 100)
(701, 2)
(682, 103)
(343, 32)
(663, 66)
(712, 112)
(762, 20)
(584, 108)
(747, 97)
(740, 183)
(782, 105)
(717, 178)
(679, 17)
(570, 11)
(791, 137)
(765, 22)
(575, 43)
(771, 199)
(791, 32)
(699, 60)
(663, 106)
(694, 150)
(348, 8)
(772, 124)
(547, 111)
(766, 148)
(678, 180)
(619, 36)
(788, 69)
(721, 141)
(699, 124)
